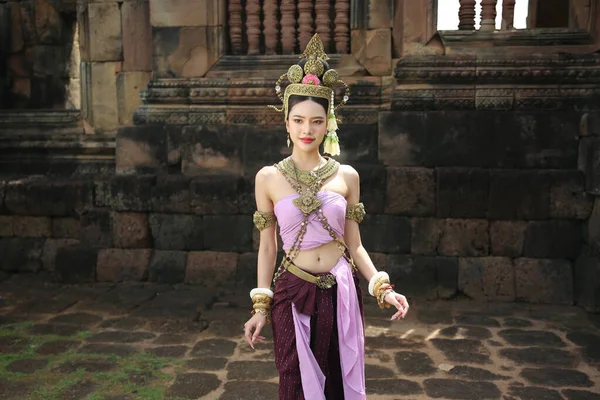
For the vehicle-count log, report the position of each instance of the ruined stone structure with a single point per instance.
(479, 150)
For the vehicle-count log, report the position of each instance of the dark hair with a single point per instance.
(296, 99)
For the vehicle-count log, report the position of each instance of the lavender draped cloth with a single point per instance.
(350, 335)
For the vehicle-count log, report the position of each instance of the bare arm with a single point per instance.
(352, 233)
(267, 251)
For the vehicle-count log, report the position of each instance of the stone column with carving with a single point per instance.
(271, 25)
(288, 26)
(305, 22)
(322, 10)
(466, 15)
(488, 15)
(508, 14)
(235, 26)
(253, 26)
(342, 30)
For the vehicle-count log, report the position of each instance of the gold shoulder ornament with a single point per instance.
(315, 79)
(262, 220)
(355, 212)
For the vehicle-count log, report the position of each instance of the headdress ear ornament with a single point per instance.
(314, 80)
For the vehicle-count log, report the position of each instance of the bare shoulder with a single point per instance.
(265, 174)
(349, 173)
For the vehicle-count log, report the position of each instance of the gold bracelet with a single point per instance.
(262, 311)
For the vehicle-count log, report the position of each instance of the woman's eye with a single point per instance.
(298, 121)
(319, 122)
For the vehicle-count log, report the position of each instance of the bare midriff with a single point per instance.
(319, 259)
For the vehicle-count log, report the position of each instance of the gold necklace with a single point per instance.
(308, 178)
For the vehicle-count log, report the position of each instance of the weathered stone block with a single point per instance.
(125, 193)
(447, 276)
(211, 269)
(17, 41)
(141, 150)
(410, 191)
(567, 196)
(373, 49)
(379, 14)
(171, 194)
(105, 23)
(507, 238)
(131, 230)
(519, 195)
(6, 226)
(168, 266)
(48, 61)
(48, 22)
(487, 278)
(186, 52)
(216, 194)
(207, 151)
(592, 227)
(137, 36)
(32, 226)
(44, 197)
(358, 143)
(386, 233)
(177, 232)
(587, 283)
(21, 254)
(426, 234)
(118, 265)
(372, 185)
(129, 86)
(66, 228)
(51, 247)
(184, 13)
(76, 264)
(464, 238)
(246, 199)
(102, 95)
(592, 167)
(419, 271)
(544, 281)
(553, 239)
(96, 228)
(228, 232)
(246, 273)
(462, 193)
(590, 124)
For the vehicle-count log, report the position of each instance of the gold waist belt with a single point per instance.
(322, 281)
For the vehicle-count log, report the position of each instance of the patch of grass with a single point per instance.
(52, 391)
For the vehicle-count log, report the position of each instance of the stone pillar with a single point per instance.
(187, 36)
(466, 15)
(580, 14)
(508, 14)
(414, 27)
(371, 35)
(253, 26)
(488, 15)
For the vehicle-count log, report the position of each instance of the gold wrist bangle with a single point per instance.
(262, 311)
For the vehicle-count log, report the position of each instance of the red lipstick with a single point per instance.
(307, 140)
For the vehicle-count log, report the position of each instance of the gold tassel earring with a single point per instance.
(288, 140)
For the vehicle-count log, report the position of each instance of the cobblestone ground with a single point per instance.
(143, 341)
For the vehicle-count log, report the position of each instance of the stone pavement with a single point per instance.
(148, 341)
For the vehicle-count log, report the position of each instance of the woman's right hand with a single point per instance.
(253, 327)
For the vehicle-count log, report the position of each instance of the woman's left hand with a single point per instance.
(399, 301)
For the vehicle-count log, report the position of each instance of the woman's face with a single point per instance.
(307, 125)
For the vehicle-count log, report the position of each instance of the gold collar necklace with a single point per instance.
(308, 178)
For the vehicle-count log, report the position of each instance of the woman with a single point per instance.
(316, 309)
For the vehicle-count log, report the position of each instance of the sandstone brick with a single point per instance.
(125, 193)
(210, 151)
(137, 36)
(373, 48)
(64, 228)
(398, 138)
(6, 226)
(447, 276)
(32, 226)
(487, 278)
(76, 264)
(181, 232)
(186, 52)
(464, 238)
(129, 86)
(102, 85)
(410, 191)
(462, 193)
(50, 250)
(426, 234)
(519, 195)
(167, 266)
(171, 194)
(373, 182)
(386, 233)
(592, 227)
(141, 149)
(587, 283)
(96, 228)
(544, 281)
(21, 254)
(211, 269)
(507, 238)
(379, 14)
(117, 265)
(228, 232)
(105, 27)
(215, 194)
(246, 272)
(420, 271)
(42, 197)
(48, 22)
(184, 13)
(553, 239)
(131, 230)
(567, 196)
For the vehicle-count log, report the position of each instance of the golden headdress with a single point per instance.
(315, 79)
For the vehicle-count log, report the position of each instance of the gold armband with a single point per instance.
(355, 212)
(263, 220)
